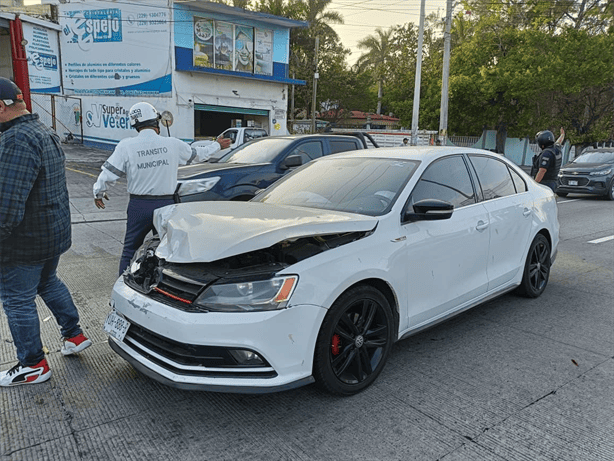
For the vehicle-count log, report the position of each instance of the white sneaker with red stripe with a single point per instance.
(19, 374)
(75, 345)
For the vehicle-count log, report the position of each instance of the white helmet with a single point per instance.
(143, 114)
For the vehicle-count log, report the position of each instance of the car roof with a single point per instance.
(314, 135)
(422, 153)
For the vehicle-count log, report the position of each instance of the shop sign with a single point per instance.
(116, 51)
(43, 53)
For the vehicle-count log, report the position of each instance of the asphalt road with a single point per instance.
(513, 379)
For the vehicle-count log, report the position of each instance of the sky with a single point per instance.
(362, 17)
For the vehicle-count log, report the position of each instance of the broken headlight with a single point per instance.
(261, 295)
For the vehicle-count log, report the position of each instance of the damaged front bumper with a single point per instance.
(194, 350)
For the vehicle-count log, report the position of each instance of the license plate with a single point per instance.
(116, 326)
(573, 183)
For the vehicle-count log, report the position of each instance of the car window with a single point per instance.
(253, 134)
(308, 151)
(261, 150)
(342, 146)
(494, 177)
(232, 135)
(368, 186)
(595, 157)
(521, 186)
(446, 179)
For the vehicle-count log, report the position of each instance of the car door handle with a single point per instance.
(481, 226)
(526, 212)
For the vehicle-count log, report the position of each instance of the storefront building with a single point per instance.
(205, 66)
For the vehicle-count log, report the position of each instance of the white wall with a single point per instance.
(217, 90)
(105, 118)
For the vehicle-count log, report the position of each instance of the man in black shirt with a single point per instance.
(546, 165)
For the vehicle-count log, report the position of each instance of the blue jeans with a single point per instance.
(19, 285)
(139, 223)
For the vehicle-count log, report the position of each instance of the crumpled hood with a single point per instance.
(208, 231)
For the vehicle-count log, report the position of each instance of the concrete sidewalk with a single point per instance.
(82, 168)
(79, 153)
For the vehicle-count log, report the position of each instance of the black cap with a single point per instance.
(9, 91)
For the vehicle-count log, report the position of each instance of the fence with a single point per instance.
(63, 114)
(393, 138)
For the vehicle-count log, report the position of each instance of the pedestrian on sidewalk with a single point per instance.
(34, 232)
(149, 162)
(405, 143)
(547, 164)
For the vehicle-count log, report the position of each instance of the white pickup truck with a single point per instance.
(238, 136)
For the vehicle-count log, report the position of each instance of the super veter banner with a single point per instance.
(116, 49)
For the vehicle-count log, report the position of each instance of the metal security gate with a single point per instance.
(63, 114)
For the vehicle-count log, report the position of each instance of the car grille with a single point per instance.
(174, 290)
(581, 181)
(143, 340)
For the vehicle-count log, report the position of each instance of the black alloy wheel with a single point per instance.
(536, 268)
(354, 341)
(562, 194)
(610, 193)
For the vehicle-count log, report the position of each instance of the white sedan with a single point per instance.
(317, 276)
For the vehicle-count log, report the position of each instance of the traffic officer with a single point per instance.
(547, 164)
(149, 162)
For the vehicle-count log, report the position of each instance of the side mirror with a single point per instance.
(429, 210)
(291, 161)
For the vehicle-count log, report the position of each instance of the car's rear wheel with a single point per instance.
(354, 341)
(536, 268)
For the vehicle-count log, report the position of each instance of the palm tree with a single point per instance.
(377, 53)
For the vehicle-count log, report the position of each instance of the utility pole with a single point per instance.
(414, 117)
(315, 87)
(292, 106)
(443, 113)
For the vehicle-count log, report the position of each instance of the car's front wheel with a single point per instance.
(610, 193)
(536, 269)
(354, 341)
(562, 194)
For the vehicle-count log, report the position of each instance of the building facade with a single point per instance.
(204, 66)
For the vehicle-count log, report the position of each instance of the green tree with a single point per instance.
(375, 58)
(531, 69)
(302, 44)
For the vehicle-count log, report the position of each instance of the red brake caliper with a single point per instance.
(336, 344)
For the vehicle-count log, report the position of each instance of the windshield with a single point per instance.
(356, 185)
(262, 150)
(595, 157)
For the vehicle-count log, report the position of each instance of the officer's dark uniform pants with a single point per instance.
(139, 222)
(550, 183)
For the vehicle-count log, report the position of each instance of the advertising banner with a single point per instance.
(43, 53)
(223, 45)
(244, 49)
(203, 42)
(264, 52)
(122, 50)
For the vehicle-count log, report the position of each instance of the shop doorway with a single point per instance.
(210, 121)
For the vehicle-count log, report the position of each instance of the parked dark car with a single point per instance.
(590, 173)
(242, 173)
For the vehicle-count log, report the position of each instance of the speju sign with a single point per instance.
(122, 50)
